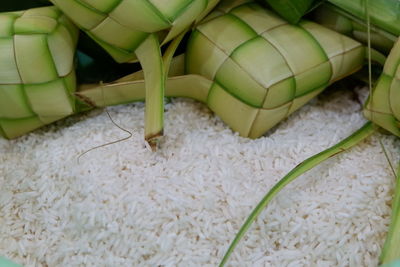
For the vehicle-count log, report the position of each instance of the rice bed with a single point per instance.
(123, 205)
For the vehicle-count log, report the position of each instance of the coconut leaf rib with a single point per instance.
(131, 30)
(352, 140)
(37, 77)
(382, 108)
(390, 252)
(252, 81)
(242, 63)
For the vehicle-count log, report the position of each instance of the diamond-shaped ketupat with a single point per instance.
(263, 73)
(382, 106)
(131, 30)
(248, 72)
(37, 75)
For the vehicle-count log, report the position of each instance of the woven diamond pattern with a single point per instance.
(120, 26)
(382, 106)
(264, 68)
(36, 79)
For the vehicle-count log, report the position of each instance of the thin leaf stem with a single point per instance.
(303, 167)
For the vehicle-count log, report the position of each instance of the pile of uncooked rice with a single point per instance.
(123, 205)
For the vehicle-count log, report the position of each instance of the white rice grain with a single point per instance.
(123, 205)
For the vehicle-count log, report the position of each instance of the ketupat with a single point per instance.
(37, 76)
(385, 14)
(292, 10)
(261, 77)
(382, 108)
(121, 26)
(217, 81)
(344, 22)
(250, 111)
(257, 78)
(131, 30)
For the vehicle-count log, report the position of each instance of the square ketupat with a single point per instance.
(37, 49)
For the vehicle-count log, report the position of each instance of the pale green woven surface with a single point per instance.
(120, 26)
(37, 77)
(270, 68)
(382, 106)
